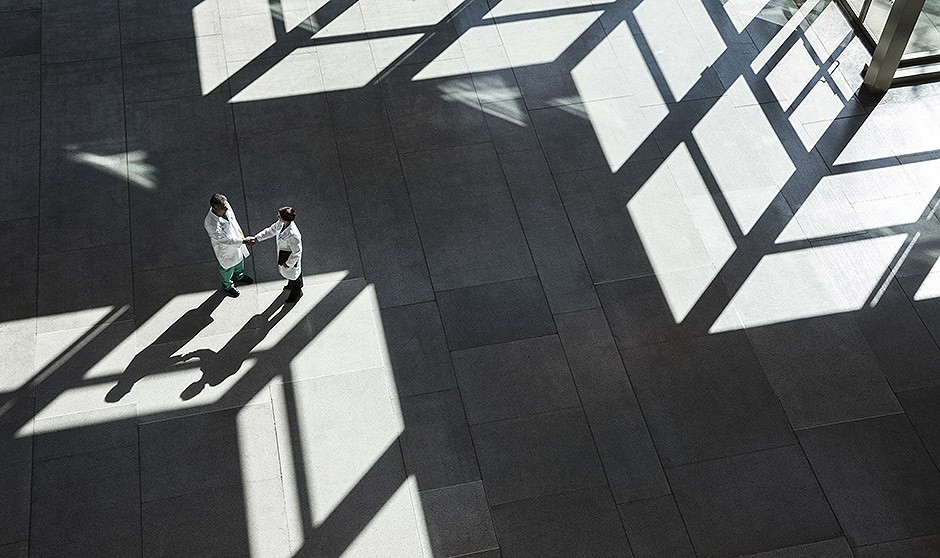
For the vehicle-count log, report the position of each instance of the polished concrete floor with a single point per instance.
(584, 278)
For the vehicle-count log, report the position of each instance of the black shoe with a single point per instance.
(233, 292)
(293, 298)
(245, 280)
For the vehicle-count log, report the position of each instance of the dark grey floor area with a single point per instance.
(584, 278)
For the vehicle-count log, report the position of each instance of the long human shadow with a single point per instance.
(218, 365)
(181, 332)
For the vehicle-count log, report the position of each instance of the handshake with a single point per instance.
(250, 241)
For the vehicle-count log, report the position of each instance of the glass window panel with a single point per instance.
(926, 36)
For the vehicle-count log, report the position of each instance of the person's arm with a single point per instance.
(295, 248)
(268, 232)
(217, 232)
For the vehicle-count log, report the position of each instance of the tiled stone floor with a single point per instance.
(585, 278)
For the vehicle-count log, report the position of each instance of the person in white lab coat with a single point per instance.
(289, 248)
(228, 243)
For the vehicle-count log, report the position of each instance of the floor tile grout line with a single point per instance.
(849, 421)
(486, 284)
(473, 446)
(30, 398)
(656, 449)
(597, 451)
(892, 541)
(501, 343)
(822, 489)
(80, 60)
(80, 249)
(556, 410)
(130, 257)
(564, 491)
(342, 174)
(280, 461)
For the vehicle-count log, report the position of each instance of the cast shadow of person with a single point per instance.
(218, 365)
(148, 361)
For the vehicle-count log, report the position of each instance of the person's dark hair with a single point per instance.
(287, 213)
(217, 200)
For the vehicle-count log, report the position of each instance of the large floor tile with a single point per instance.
(576, 523)
(458, 520)
(823, 371)
(753, 502)
(417, 349)
(73, 434)
(240, 520)
(923, 408)
(87, 504)
(21, 33)
(705, 398)
(271, 113)
(920, 547)
(557, 256)
(537, 455)
(830, 548)
(655, 528)
(342, 465)
(422, 117)
(77, 288)
(82, 30)
(436, 442)
(278, 169)
(331, 330)
(15, 483)
(92, 188)
(143, 21)
(878, 478)
(514, 379)
(22, 262)
(900, 341)
(207, 451)
(361, 116)
(18, 345)
(174, 68)
(658, 308)
(599, 135)
(180, 124)
(623, 441)
(510, 126)
(495, 313)
(19, 161)
(468, 224)
(386, 231)
(75, 368)
(82, 104)
(15, 550)
(633, 223)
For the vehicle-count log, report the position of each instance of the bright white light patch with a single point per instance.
(811, 282)
(543, 40)
(930, 288)
(620, 126)
(671, 239)
(296, 74)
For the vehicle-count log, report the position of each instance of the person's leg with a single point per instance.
(239, 271)
(295, 289)
(226, 276)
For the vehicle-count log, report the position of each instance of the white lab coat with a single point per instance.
(227, 238)
(287, 239)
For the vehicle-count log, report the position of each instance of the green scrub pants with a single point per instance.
(234, 273)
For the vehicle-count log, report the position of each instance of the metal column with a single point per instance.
(897, 32)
